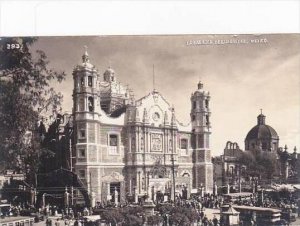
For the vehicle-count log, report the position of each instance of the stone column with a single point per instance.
(44, 200)
(149, 193)
(116, 194)
(286, 170)
(130, 186)
(215, 189)
(136, 197)
(66, 197)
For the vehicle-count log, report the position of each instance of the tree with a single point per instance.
(154, 220)
(178, 215)
(267, 164)
(258, 164)
(25, 98)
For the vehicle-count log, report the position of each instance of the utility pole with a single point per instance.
(173, 167)
(139, 177)
(173, 175)
(240, 186)
(36, 180)
(91, 183)
(72, 196)
(71, 155)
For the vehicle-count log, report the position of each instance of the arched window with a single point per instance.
(207, 120)
(194, 104)
(82, 81)
(170, 145)
(90, 81)
(206, 103)
(91, 104)
(132, 144)
(142, 143)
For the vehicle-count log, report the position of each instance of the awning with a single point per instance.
(93, 217)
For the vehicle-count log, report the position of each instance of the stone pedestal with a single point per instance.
(93, 199)
(136, 196)
(231, 216)
(149, 206)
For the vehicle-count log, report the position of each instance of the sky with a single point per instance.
(252, 72)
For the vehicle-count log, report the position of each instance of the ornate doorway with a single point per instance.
(113, 188)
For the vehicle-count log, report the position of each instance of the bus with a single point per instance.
(262, 216)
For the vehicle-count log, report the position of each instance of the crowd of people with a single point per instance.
(57, 216)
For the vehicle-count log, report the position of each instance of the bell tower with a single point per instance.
(86, 111)
(201, 128)
(86, 94)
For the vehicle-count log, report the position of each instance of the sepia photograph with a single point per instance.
(169, 130)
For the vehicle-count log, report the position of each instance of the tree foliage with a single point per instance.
(258, 164)
(132, 216)
(178, 215)
(26, 96)
(154, 220)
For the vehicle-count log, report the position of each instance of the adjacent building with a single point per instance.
(262, 139)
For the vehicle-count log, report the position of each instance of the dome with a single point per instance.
(109, 71)
(261, 130)
(86, 60)
(109, 75)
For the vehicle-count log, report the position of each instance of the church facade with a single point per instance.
(132, 148)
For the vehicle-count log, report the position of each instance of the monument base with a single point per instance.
(149, 206)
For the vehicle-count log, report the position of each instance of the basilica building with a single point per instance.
(132, 148)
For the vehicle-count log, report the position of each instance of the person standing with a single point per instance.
(215, 221)
(57, 223)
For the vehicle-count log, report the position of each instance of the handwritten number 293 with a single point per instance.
(13, 46)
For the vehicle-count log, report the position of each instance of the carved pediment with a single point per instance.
(113, 177)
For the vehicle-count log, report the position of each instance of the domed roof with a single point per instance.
(261, 130)
(109, 71)
(86, 60)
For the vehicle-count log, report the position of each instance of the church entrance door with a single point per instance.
(159, 188)
(115, 189)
